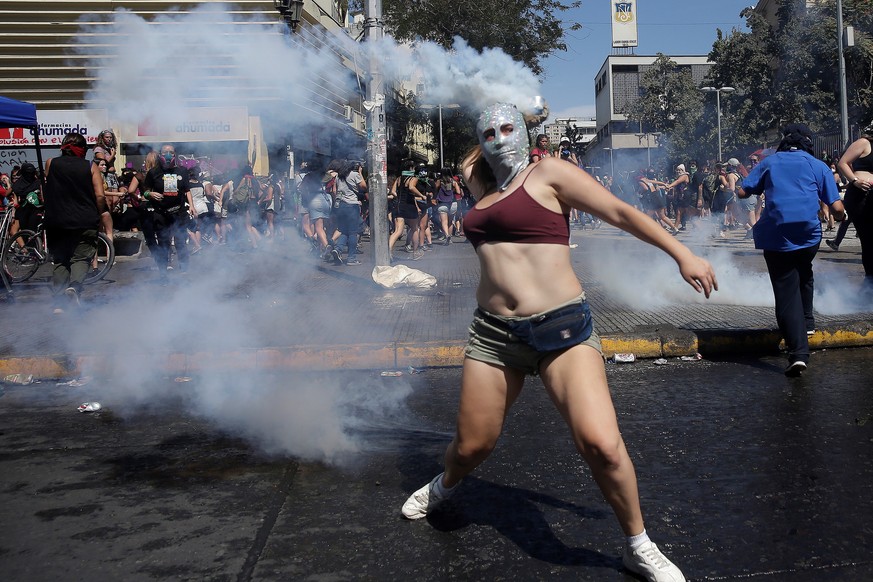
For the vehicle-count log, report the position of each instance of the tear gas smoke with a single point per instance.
(208, 56)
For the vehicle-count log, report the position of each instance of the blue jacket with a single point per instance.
(793, 183)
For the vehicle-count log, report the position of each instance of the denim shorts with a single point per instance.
(492, 341)
(319, 207)
(748, 204)
(447, 208)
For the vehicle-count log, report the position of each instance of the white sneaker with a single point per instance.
(648, 561)
(423, 501)
(795, 369)
(72, 296)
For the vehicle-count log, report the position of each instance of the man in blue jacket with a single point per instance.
(793, 181)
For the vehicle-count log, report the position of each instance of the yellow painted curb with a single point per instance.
(842, 338)
(39, 367)
(388, 356)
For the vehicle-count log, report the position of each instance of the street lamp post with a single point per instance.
(440, 113)
(718, 91)
(844, 113)
(440, 106)
(377, 138)
(611, 163)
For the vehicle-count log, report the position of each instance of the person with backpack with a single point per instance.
(406, 192)
(708, 189)
(27, 196)
(723, 203)
(315, 198)
(446, 191)
(244, 203)
(347, 209)
(745, 207)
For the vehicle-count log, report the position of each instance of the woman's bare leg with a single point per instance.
(399, 224)
(487, 393)
(576, 382)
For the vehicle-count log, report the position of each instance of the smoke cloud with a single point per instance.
(211, 56)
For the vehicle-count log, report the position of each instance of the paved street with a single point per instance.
(743, 474)
(280, 308)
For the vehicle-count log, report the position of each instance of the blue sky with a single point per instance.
(665, 26)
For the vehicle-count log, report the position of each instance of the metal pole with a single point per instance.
(377, 156)
(718, 117)
(844, 107)
(442, 165)
(648, 150)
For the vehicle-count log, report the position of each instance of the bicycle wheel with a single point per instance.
(22, 255)
(105, 259)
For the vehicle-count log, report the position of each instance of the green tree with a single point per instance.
(790, 73)
(744, 61)
(670, 103)
(859, 60)
(403, 113)
(806, 82)
(526, 30)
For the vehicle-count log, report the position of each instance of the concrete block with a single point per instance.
(128, 244)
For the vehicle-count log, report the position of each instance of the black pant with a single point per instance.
(859, 205)
(171, 227)
(793, 286)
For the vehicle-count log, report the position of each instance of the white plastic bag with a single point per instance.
(402, 276)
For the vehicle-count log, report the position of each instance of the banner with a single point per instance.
(55, 124)
(196, 124)
(624, 23)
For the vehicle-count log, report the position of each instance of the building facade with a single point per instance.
(620, 144)
(54, 53)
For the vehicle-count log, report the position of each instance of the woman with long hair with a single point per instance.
(316, 198)
(106, 148)
(405, 190)
(533, 319)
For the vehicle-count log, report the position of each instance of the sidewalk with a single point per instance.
(279, 308)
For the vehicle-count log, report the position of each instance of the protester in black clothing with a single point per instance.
(856, 166)
(73, 204)
(28, 197)
(166, 188)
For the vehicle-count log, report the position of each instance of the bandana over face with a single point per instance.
(506, 154)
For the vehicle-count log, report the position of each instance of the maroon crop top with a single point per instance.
(517, 218)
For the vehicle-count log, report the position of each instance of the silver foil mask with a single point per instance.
(506, 154)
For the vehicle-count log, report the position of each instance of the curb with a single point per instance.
(656, 342)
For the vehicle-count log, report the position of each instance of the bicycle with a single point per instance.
(5, 223)
(26, 251)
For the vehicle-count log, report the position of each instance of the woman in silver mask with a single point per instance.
(533, 319)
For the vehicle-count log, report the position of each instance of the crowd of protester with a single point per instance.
(705, 196)
(328, 203)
